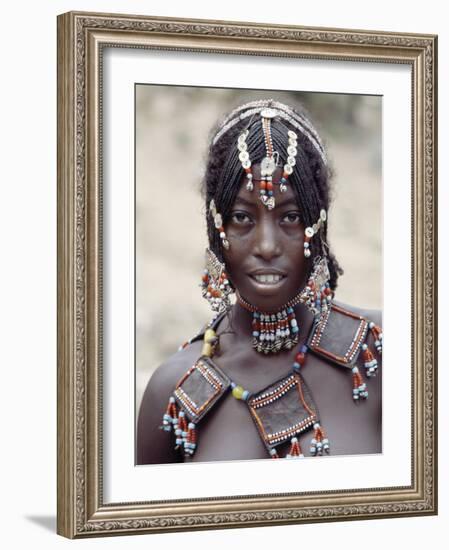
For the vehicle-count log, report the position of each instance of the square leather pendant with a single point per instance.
(339, 336)
(282, 410)
(200, 388)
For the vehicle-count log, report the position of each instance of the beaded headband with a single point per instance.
(297, 120)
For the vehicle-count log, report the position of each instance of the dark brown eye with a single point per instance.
(291, 218)
(240, 218)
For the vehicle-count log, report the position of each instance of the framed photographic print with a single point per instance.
(288, 176)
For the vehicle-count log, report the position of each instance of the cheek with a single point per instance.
(233, 263)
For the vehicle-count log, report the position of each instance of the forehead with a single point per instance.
(251, 198)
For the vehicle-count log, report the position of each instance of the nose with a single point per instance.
(267, 243)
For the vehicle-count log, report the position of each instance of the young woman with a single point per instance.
(286, 371)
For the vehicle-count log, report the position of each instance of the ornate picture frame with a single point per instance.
(82, 40)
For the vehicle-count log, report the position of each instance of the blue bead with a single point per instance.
(256, 315)
(295, 329)
(289, 310)
(255, 333)
(296, 366)
(304, 348)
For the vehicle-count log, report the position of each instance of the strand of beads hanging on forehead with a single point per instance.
(270, 161)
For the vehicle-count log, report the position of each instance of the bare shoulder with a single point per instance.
(154, 446)
(167, 375)
(374, 315)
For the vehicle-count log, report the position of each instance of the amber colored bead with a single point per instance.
(269, 186)
(209, 334)
(207, 350)
(263, 184)
(237, 392)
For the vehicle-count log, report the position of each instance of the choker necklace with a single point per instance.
(277, 331)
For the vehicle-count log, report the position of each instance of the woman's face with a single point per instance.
(265, 261)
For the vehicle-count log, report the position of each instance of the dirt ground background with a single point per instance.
(173, 127)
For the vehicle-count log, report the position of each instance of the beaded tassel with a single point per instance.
(358, 385)
(319, 442)
(377, 334)
(300, 358)
(181, 429)
(170, 417)
(295, 449)
(369, 361)
(190, 442)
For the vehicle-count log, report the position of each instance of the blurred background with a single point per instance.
(173, 128)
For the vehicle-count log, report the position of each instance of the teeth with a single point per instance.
(268, 278)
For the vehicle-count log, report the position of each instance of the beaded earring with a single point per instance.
(215, 284)
(218, 222)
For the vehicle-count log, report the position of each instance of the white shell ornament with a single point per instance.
(243, 156)
(268, 113)
(309, 232)
(267, 166)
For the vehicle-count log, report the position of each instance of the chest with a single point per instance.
(229, 431)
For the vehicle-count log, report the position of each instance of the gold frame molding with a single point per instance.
(81, 39)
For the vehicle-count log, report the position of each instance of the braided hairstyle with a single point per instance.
(310, 180)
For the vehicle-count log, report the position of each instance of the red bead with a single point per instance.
(300, 358)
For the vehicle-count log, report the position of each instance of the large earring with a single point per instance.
(215, 285)
(218, 222)
(317, 295)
